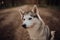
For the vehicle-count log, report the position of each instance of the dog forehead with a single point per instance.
(28, 12)
(27, 16)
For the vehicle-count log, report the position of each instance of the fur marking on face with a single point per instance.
(29, 19)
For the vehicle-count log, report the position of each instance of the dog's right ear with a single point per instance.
(21, 13)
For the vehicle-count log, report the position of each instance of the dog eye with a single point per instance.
(30, 18)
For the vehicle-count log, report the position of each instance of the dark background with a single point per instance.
(13, 3)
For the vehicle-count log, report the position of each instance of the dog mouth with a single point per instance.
(25, 26)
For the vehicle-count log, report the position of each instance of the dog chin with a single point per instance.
(25, 27)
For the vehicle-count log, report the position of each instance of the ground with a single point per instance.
(10, 22)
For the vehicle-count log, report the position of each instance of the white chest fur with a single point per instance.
(38, 33)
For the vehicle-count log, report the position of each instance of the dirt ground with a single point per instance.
(10, 22)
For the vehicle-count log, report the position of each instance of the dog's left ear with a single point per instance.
(35, 9)
(36, 12)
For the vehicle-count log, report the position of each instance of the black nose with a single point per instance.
(24, 25)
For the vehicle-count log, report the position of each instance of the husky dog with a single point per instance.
(34, 24)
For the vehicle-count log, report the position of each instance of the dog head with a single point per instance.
(30, 18)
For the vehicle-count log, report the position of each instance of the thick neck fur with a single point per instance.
(36, 32)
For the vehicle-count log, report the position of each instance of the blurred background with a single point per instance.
(10, 19)
(44, 3)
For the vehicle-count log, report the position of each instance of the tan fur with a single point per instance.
(14, 19)
(39, 31)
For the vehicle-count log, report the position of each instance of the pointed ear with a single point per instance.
(21, 13)
(35, 9)
(36, 12)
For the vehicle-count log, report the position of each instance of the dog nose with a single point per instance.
(24, 25)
